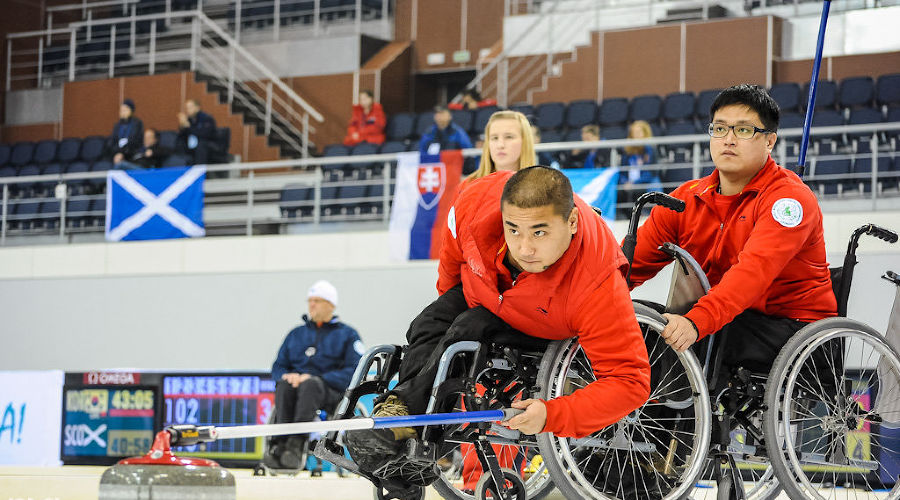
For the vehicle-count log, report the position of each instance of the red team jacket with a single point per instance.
(370, 127)
(767, 252)
(584, 293)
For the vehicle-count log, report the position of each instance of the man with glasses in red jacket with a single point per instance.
(522, 254)
(756, 230)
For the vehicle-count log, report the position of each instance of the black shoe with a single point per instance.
(272, 458)
(372, 448)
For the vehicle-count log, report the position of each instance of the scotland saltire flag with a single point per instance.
(425, 191)
(597, 187)
(154, 204)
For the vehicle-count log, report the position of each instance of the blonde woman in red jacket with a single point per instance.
(367, 123)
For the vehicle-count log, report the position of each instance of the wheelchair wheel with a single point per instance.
(460, 470)
(833, 416)
(655, 452)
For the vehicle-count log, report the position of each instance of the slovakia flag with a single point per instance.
(425, 191)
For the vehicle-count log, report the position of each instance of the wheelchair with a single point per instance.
(825, 416)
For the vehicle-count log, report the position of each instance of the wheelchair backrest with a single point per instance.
(689, 282)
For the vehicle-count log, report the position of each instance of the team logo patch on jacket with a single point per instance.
(788, 212)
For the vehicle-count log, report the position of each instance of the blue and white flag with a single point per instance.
(155, 204)
(597, 187)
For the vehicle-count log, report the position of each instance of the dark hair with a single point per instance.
(155, 132)
(368, 93)
(440, 108)
(752, 96)
(539, 186)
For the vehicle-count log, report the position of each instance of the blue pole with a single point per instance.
(442, 418)
(811, 103)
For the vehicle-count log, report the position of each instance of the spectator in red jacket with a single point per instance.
(523, 255)
(755, 229)
(367, 123)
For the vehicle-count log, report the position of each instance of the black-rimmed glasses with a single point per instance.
(741, 131)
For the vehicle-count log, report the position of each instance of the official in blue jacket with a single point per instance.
(444, 134)
(312, 371)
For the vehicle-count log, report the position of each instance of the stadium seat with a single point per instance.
(887, 91)
(550, 115)
(352, 198)
(46, 187)
(77, 209)
(24, 214)
(614, 132)
(48, 215)
(704, 101)
(92, 148)
(68, 150)
(175, 161)
(375, 194)
(8, 171)
(573, 135)
(548, 136)
(400, 126)
(359, 170)
(223, 140)
(424, 121)
(482, 116)
(827, 118)
(613, 111)
(22, 153)
(327, 199)
(5, 151)
(787, 95)
(524, 108)
(863, 116)
(45, 152)
(294, 201)
(645, 107)
(855, 92)
(826, 95)
(393, 147)
(679, 106)
(839, 167)
(98, 212)
(581, 113)
(681, 128)
(168, 139)
(464, 118)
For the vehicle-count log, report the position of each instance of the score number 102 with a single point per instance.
(182, 411)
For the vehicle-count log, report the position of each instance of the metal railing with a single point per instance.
(253, 199)
(140, 44)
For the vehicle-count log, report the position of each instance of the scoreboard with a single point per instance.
(220, 400)
(108, 416)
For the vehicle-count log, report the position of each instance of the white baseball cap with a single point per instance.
(324, 290)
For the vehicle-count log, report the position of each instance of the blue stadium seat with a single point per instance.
(614, 132)
(335, 150)
(424, 121)
(77, 210)
(482, 116)
(48, 215)
(548, 136)
(359, 170)
(8, 171)
(98, 212)
(176, 161)
(5, 151)
(679, 106)
(393, 147)
(787, 95)
(400, 126)
(92, 148)
(327, 199)
(168, 139)
(550, 115)
(353, 198)
(26, 189)
(24, 214)
(47, 187)
(31, 169)
(826, 118)
(681, 128)
(22, 153)
(464, 118)
(581, 113)
(830, 168)
(826, 95)
(704, 101)
(363, 148)
(645, 107)
(294, 201)
(375, 205)
(573, 135)
(863, 116)
(858, 91)
(888, 90)
(78, 167)
(68, 150)
(678, 175)
(524, 108)
(223, 139)
(791, 120)
(893, 115)
(613, 111)
(45, 152)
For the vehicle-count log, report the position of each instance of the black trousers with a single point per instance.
(751, 340)
(301, 404)
(445, 321)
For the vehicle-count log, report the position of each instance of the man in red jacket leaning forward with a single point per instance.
(755, 229)
(522, 253)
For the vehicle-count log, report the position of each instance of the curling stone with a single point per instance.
(160, 475)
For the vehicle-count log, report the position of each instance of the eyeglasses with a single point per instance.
(746, 132)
